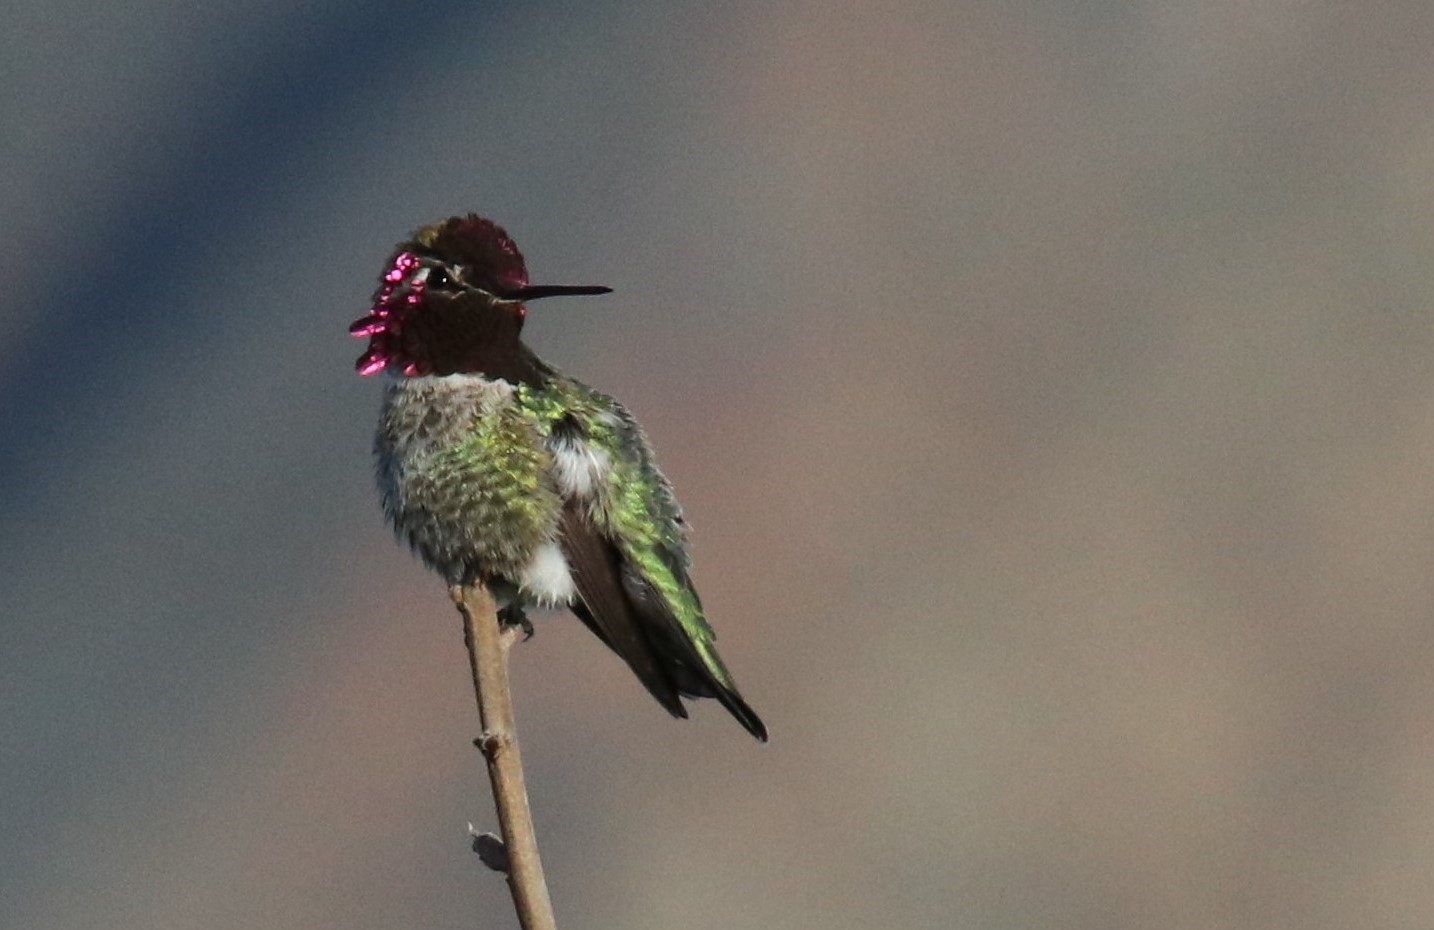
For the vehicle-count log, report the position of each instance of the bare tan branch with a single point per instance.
(488, 644)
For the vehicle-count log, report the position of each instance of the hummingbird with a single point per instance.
(496, 468)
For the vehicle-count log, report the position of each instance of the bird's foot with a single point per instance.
(513, 615)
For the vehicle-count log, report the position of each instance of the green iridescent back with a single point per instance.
(635, 507)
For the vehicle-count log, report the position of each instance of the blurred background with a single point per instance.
(1048, 384)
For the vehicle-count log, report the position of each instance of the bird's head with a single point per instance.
(451, 299)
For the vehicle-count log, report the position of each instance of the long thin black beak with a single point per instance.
(537, 291)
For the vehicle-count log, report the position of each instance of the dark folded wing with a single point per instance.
(605, 607)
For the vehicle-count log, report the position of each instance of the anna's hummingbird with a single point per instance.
(497, 468)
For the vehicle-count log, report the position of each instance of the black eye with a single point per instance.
(439, 279)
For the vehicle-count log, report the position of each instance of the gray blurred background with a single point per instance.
(1048, 383)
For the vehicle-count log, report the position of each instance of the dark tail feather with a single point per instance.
(687, 683)
(646, 637)
(744, 714)
(693, 678)
(641, 664)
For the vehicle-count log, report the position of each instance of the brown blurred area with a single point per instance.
(1048, 385)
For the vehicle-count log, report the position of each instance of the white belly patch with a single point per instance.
(580, 468)
(547, 579)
